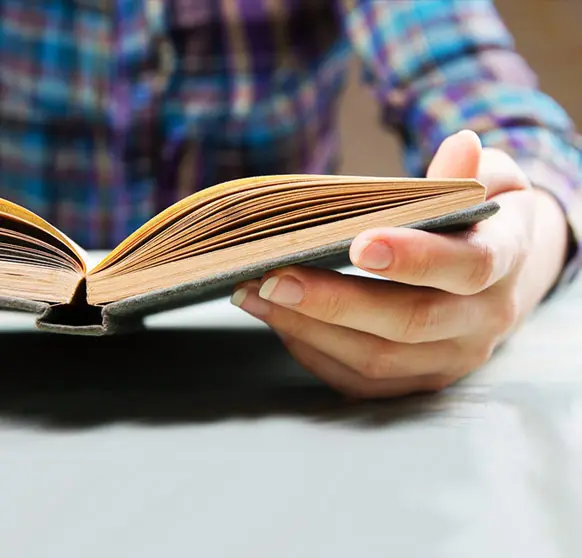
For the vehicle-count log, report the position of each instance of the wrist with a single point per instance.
(548, 251)
(561, 182)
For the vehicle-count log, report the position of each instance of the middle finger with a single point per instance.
(382, 308)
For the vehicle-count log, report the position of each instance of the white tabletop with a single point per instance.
(211, 442)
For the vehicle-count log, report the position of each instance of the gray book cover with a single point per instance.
(125, 316)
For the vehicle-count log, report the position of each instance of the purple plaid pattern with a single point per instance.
(110, 110)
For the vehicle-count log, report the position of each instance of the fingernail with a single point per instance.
(285, 290)
(248, 300)
(375, 255)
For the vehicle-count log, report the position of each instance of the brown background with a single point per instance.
(547, 34)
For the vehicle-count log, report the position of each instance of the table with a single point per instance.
(211, 442)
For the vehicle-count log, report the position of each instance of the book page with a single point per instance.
(168, 223)
(185, 205)
(13, 211)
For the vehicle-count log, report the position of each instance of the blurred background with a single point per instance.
(547, 34)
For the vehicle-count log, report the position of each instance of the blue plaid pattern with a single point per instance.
(111, 110)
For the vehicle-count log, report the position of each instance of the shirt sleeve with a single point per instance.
(439, 66)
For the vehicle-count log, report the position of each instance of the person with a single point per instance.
(111, 111)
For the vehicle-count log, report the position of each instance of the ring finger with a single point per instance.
(370, 356)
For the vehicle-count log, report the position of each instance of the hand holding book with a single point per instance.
(451, 299)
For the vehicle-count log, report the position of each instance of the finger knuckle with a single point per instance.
(521, 252)
(335, 307)
(506, 313)
(422, 315)
(378, 365)
(482, 274)
(509, 314)
(518, 248)
(420, 264)
(478, 356)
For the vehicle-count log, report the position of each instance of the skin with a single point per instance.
(449, 303)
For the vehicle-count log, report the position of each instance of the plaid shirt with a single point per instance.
(110, 110)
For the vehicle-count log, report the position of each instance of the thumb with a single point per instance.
(458, 156)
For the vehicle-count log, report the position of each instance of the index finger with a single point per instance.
(461, 263)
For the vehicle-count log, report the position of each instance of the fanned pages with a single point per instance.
(233, 226)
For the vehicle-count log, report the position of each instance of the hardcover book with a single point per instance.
(201, 247)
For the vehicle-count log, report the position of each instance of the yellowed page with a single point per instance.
(182, 207)
(14, 211)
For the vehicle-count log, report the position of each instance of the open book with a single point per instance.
(200, 247)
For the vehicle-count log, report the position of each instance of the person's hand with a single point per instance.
(448, 303)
